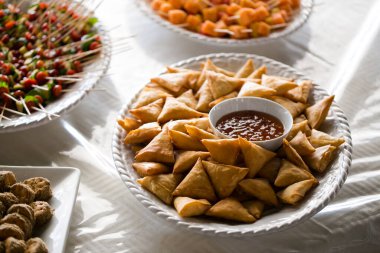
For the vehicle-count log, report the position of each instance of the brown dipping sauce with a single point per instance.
(251, 125)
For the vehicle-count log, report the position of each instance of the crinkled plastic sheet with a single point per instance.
(338, 48)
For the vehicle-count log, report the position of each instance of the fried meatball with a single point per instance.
(42, 212)
(8, 199)
(10, 230)
(12, 245)
(23, 192)
(2, 247)
(3, 210)
(24, 210)
(7, 179)
(19, 220)
(41, 187)
(36, 245)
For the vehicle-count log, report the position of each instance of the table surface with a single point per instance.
(338, 48)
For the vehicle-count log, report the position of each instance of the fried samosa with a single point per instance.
(295, 192)
(260, 189)
(161, 185)
(150, 169)
(160, 149)
(230, 209)
(255, 157)
(144, 133)
(224, 178)
(173, 109)
(188, 207)
(196, 184)
(317, 113)
(186, 160)
(224, 151)
(290, 174)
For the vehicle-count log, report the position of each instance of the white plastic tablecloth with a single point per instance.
(339, 48)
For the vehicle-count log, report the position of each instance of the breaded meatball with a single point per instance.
(3, 210)
(10, 230)
(21, 221)
(36, 245)
(2, 247)
(12, 245)
(42, 212)
(41, 187)
(8, 199)
(7, 179)
(23, 192)
(24, 210)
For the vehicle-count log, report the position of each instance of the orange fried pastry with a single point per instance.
(316, 114)
(320, 158)
(251, 89)
(224, 151)
(221, 85)
(160, 149)
(179, 125)
(198, 133)
(129, 123)
(319, 139)
(148, 113)
(258, 73)
(270, 170)
(196, 184)
(188, 207)
(224, 178)
(260, 189)
(205, 98)
(297, 127)
(149, 95)
(173, 109)
(230, 209)
(300, 93)
(295, 192)
(175, 82)
(186, 159)
(222, 98)
(144, 133)
(295, 108)
(185, 142)
(255, 208)
(255, 157)
(188, 99)
(293, 156)
(144, 169)
(290, 174)
(301, 144)
(161, 185)
(280, 84)
(246, 69)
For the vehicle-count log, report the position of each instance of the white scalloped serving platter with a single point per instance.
(300, 18)
(92, 75)
(336, 124)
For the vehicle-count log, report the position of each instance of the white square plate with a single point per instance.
(64, 182)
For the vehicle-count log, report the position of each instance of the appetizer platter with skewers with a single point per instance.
(178, 160)
(52, 54)
(229, 22)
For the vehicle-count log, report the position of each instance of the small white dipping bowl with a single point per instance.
(253, 104)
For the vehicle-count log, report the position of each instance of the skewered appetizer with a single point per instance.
(237, 19)
(43, 51)
(185, 164)
(23, 209)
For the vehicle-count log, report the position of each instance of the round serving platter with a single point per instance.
(329, 183)
(78, 90)
(300, 18)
